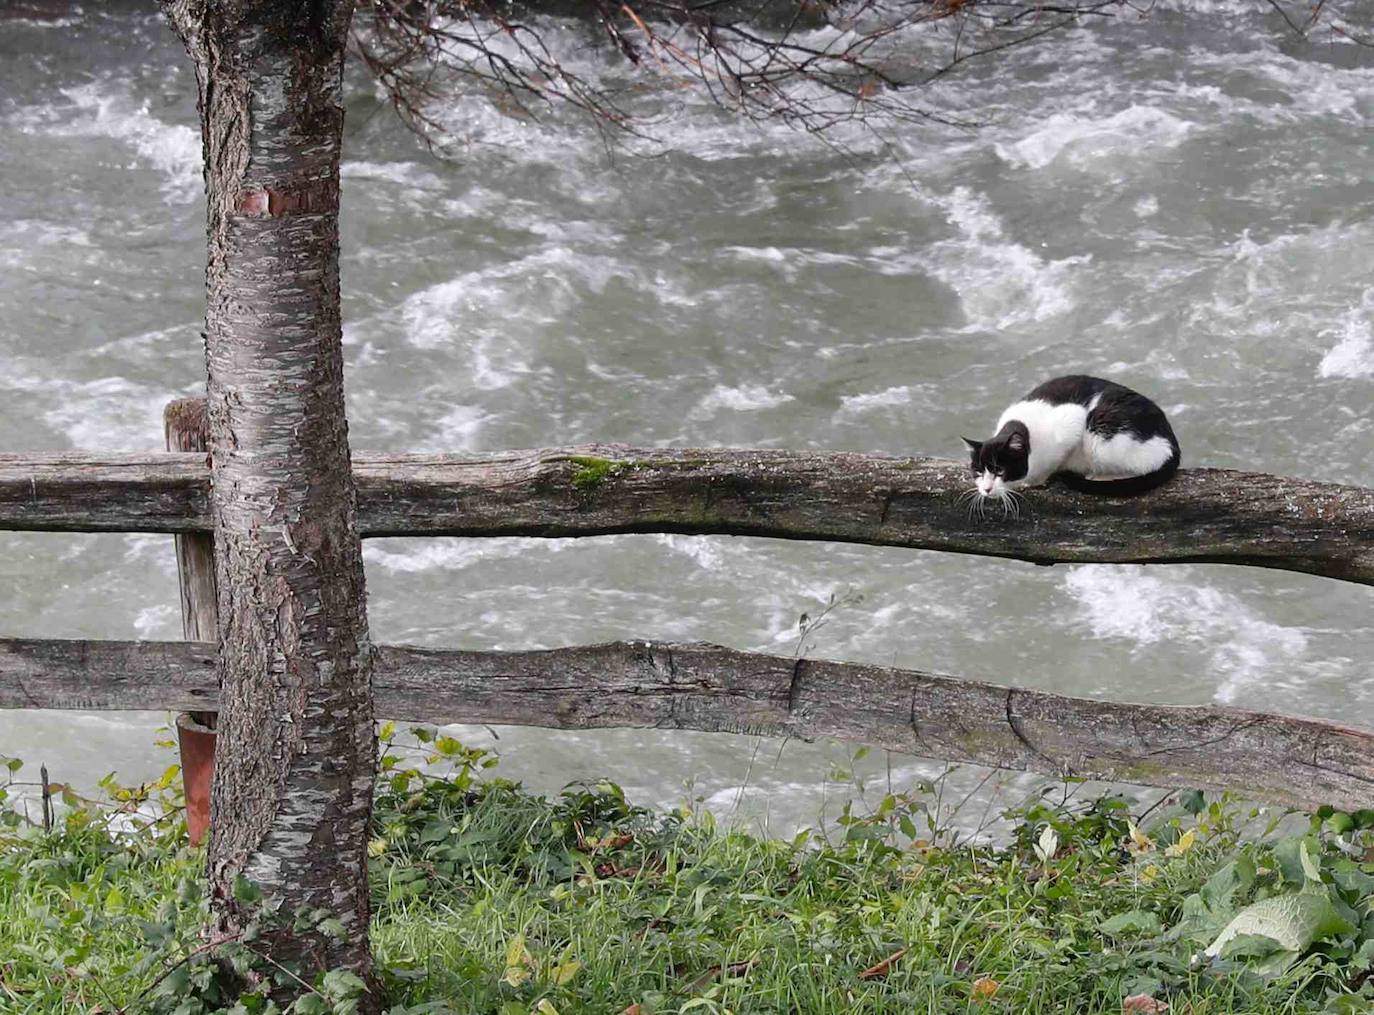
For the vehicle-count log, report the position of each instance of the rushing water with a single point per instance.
(1181, 201)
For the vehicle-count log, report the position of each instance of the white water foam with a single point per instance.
(107, 414)
(1121, 601)
(481, 309)
(706, 552)
(445, 554)
(171, 149)
(1353, 355)
(1085, 141)
(743, 398)
(459, 427)
(788, 261)
(1001, 283)
(1311, 88)
(403, 174)
(870, 401)
(23, 240)
(157, 622)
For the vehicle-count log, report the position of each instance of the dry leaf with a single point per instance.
(985, 988)
(1143, 1004)
(517, 962)
(1185, 842)
(881, 969)
(733, 969)
(632, 1010)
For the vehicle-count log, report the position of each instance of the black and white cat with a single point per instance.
(1095, 435)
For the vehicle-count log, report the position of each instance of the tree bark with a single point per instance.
(295, 765)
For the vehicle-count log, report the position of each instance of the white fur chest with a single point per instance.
(1056, 437)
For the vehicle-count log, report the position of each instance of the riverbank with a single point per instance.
(490, 899)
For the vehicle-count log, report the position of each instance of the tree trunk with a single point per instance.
(295, 765)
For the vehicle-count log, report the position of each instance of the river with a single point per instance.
(1181, 201)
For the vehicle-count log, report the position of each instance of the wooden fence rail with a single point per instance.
(706, 687)
(1203, 515)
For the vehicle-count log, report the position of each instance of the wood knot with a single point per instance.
(268, 202)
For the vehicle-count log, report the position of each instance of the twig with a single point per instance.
(47, 798)
(201, 949)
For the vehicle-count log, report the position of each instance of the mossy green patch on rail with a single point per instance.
(489, 899)
(591, 472)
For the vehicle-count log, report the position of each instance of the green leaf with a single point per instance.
(342, 983)
(1288, 855)
(1275, 965)
(1249, 946)
(245, 891)
(1350, 1004)
(1340, 823)
(436, 831)
(1310, 865)
(1222, 888)
(1352, 877)
(1192, 801)
(1293, 921)
(1136, 923)
(333, 927)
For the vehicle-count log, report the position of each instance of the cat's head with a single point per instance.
(1000, 460)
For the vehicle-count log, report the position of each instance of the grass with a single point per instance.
(488, 899)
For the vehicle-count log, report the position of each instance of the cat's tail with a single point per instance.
(1128, 487)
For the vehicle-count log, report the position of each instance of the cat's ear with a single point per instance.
(973, 446)
(1016, 442)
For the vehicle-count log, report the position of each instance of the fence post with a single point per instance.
(187, 430)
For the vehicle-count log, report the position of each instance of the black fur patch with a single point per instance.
(1006, 455)
(1119, 409)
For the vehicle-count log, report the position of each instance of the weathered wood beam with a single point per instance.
(705, 687)
(1203, 515)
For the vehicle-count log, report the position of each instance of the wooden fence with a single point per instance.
(1206, 515)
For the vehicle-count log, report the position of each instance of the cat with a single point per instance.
(1096, 436)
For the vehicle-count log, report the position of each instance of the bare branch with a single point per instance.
(812, 64)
